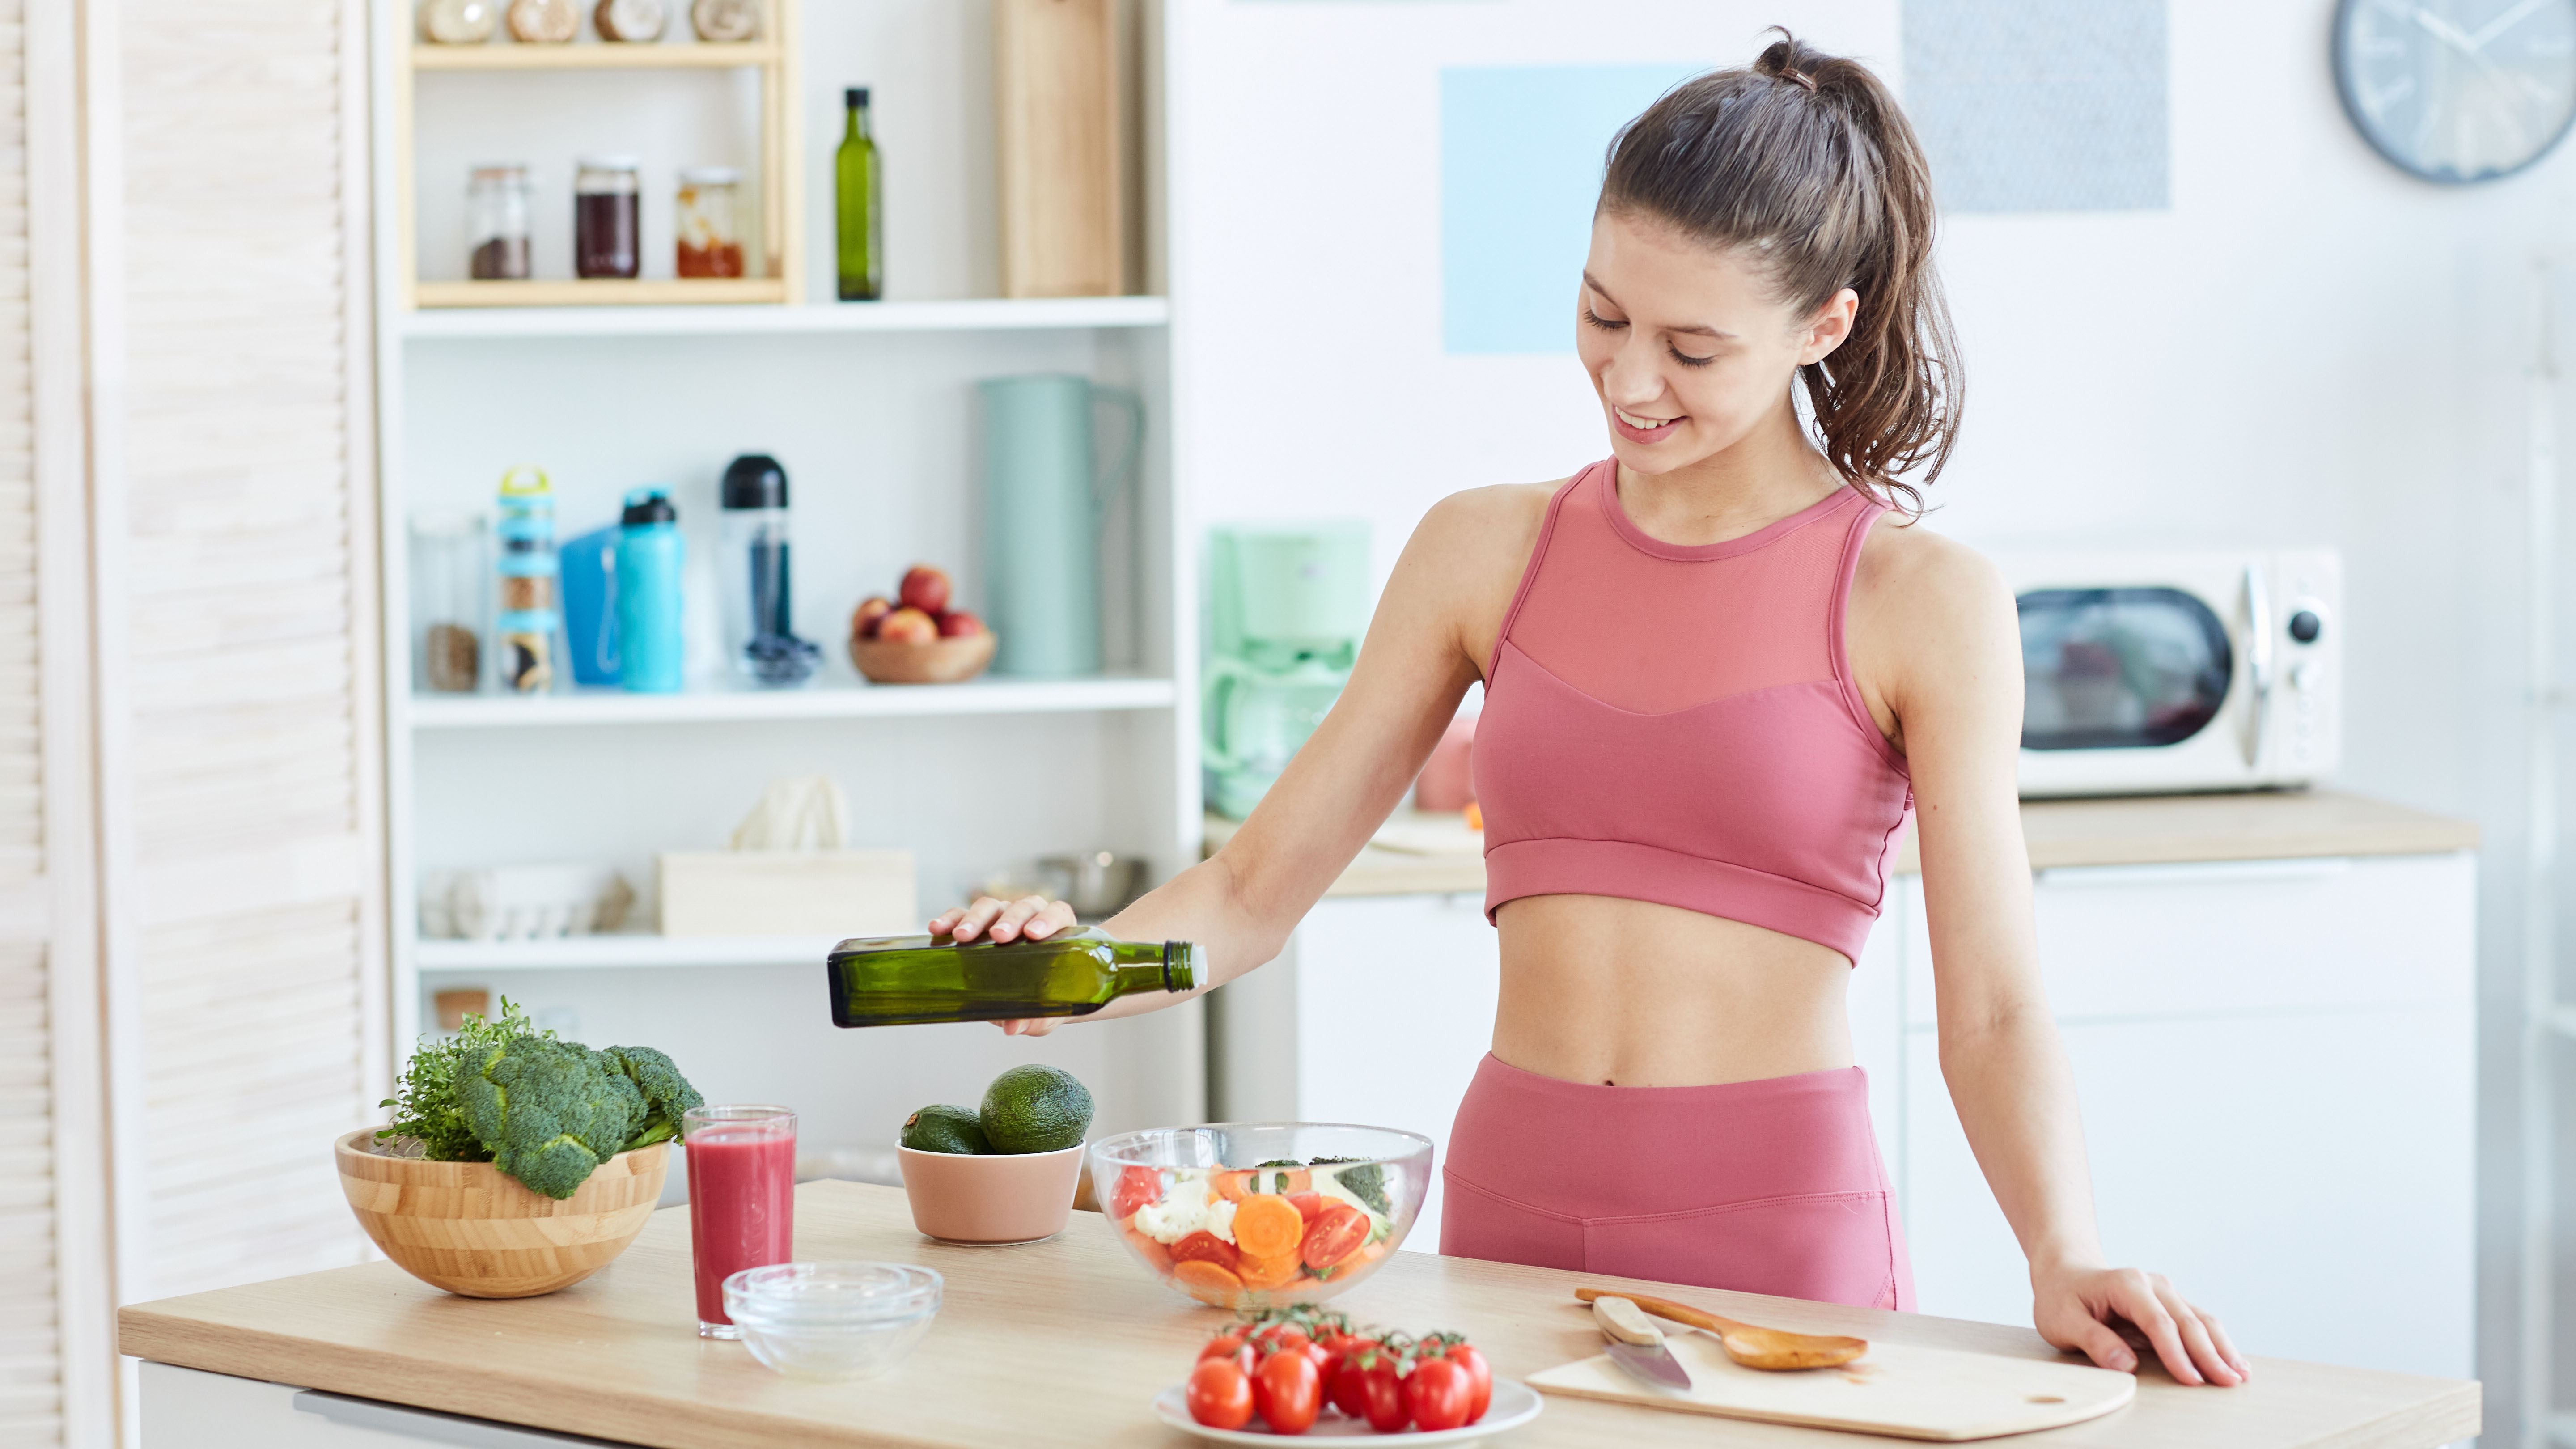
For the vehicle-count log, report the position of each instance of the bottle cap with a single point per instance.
(646, 506)
(755, 480)
(855, 96)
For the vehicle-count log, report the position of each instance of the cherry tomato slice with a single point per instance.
(1288, 1393)
(1205, 1247)
(1137, 1187)
(1220, 1395)
(1332, 1237)
(1309, 1205)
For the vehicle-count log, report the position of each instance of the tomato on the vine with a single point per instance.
(1381, 1392)
(1479, 1373)
(1220, 1395)
(1287, 1392)
(1341, 1381)
(1437, 1393)
(1279, 1338)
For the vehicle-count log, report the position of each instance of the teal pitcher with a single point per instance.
(1045, 494)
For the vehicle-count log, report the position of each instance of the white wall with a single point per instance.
(2308, 346)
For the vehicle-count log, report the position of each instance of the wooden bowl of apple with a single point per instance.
(915, 638)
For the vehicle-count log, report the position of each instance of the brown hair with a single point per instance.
(1803, 162)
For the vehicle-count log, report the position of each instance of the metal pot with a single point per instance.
(1095, 883)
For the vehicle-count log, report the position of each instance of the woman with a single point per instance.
(1717, 680)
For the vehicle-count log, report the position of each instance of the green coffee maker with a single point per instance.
(1287, 605)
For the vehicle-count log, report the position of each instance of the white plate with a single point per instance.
(1514, 1404)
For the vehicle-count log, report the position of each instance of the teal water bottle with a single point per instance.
(649, 555)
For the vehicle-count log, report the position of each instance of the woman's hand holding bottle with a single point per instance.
(1030, 918)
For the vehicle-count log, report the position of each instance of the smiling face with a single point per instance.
(1687, 345)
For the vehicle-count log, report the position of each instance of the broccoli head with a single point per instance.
(551, 1111)
(667, 1094)
(1367, 1183)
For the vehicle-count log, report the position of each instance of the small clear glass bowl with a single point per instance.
(1171, 1193)
(827, 1322)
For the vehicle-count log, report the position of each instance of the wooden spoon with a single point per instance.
(1759, 1348)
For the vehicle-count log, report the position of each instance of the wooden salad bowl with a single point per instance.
(941, 661)
(468, 1228)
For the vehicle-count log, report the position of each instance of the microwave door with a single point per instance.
(2128, 688)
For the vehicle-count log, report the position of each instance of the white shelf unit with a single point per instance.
(870, 408)
(859, 701)
(622, 951)
(971, 314)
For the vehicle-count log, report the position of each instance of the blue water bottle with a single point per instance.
(648, 593)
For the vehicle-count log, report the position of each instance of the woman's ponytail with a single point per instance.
(1804, 163)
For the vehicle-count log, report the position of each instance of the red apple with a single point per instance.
(924, 588)
(958, 624)
(907, 626)
(863, 621)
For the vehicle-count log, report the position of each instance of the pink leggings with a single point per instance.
(1764, 1187)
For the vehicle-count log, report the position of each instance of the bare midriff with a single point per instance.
(1633, 994)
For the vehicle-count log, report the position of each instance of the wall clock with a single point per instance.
(2458, 90)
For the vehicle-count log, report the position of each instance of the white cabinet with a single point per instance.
(2276, 1061)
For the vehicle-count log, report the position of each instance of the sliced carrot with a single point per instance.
(1291, 1179)
(1231, 1185)
(1276, 1272)
(1207, 1282)
(1268, 1226)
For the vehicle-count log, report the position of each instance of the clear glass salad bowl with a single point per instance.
(1251, 1214)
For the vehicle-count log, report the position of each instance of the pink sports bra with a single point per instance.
(1679, 724)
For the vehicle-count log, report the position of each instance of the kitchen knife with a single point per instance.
(1637, 1345)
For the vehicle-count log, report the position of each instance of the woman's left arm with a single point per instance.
(1935, 630)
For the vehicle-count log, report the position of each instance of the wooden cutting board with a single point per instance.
(1895, 1389)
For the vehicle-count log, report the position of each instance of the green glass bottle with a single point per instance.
(859, 190)
(893, 980)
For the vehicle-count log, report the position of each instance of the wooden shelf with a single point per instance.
(977, 314)
(621, 951)
(592, 55)
(616, 707)
(603, 292)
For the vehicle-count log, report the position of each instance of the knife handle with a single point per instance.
(1664, 1308)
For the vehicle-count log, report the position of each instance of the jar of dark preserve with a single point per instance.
(604, 219)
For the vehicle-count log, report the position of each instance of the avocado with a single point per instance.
(1033, 1108)
(945, 1129)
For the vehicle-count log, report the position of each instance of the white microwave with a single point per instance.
(2150, 673)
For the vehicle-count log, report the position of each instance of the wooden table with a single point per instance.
(1065, 1342)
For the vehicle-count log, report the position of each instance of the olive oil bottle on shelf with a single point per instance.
(896, 980)
(859, 191)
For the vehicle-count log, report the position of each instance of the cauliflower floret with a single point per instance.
(1190, 1206)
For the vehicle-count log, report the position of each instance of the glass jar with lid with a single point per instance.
(604, 217)
(710, 236)
(450, 561)
(496, 223)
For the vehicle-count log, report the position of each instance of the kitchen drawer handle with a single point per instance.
(2189, 872)
(429, 1426)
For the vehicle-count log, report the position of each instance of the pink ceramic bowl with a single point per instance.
(1001, 1197)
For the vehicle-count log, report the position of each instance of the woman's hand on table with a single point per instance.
(2110, 1313)
(1030, 918)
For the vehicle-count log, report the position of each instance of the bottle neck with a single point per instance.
(858, 126)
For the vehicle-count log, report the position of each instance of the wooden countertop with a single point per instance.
(2133, 830)
(1066, 1342)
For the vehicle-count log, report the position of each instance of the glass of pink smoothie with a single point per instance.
(742, 1199)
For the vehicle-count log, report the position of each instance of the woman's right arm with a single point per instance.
(1425, 645)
